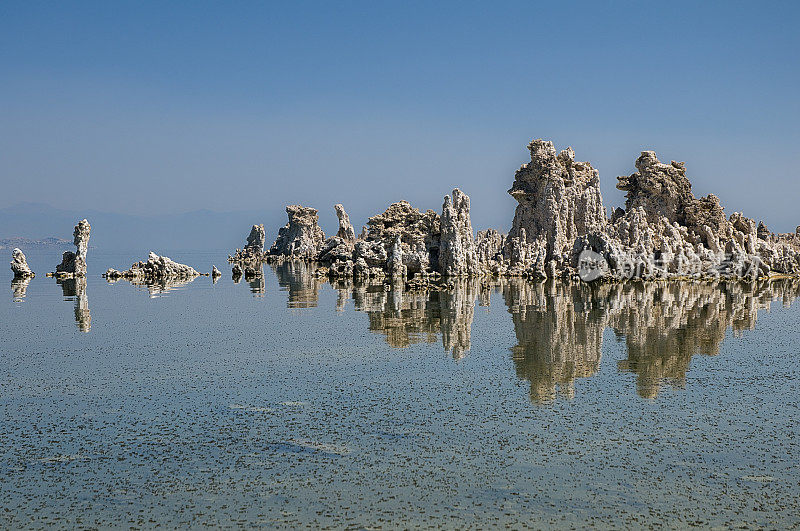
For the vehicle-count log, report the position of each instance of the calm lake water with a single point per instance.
(285, 401)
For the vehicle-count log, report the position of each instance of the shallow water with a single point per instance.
(285, 401)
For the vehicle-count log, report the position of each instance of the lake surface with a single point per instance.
(285, 401)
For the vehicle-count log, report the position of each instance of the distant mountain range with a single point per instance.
(35, 224)
(11, 243)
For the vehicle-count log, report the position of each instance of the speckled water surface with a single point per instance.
(284, 401)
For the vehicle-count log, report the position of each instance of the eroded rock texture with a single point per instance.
(457, 250)
(302, 237)
(419, 234)
(74, 264)
(559, 200)
(489, 246)
(337, 251)
(254, 247)
(560, 229)
(155, 268)
(19, 265)
(665, 231)
(662, 190)
(346, 231)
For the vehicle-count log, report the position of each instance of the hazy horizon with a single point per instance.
(149, 110)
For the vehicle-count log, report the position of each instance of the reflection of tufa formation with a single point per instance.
(159, 286)
(559, 334)
(560, 230)
(76, 287)
(19, 288)
(559, 325)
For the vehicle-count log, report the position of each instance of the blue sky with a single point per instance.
(155, 107)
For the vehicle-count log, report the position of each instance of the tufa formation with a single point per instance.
(254, 247)
(74, 264)
(19, 265)
(155, 268)
(560, 229)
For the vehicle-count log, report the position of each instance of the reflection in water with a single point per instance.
(76, 287)
(410, 317)
(298, 279)
(156, 287)
(666, 324)
(213, 398)
(404, 317)
(559, 334)
(19, 287)
(559, 327)
(255, 278)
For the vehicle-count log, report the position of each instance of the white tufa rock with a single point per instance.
(74, 264)
(457, 251)
(302, 237)
(346, 231)
(19, 265)
(155, 268)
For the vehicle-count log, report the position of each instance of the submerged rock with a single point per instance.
(19, 265)
(156, 267)
(74, 264)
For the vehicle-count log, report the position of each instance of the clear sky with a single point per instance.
(155, 107)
